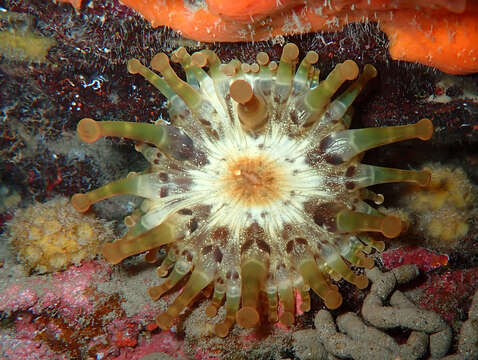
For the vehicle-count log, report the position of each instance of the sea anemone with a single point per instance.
(256, 187)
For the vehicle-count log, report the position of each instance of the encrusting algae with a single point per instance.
(256, 187)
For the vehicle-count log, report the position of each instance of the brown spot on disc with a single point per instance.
(261, 244)
(350, 185)
(218, 255)
(289, 247)
(351, 170)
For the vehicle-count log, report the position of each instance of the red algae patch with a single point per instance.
(445, 293)
(424, 259)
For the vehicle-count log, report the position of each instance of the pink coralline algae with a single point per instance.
(65, 316)
(16, 298)
(163, 343)
(16, 348)
(65, 292)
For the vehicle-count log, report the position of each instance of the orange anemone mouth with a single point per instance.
(254, 181)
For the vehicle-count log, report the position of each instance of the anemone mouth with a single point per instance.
(256, 188)
(255, 181)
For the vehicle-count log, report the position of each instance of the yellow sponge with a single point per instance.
(51, 236)
(442, 210)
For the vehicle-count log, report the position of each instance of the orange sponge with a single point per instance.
(438, 33)
(448, 42)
